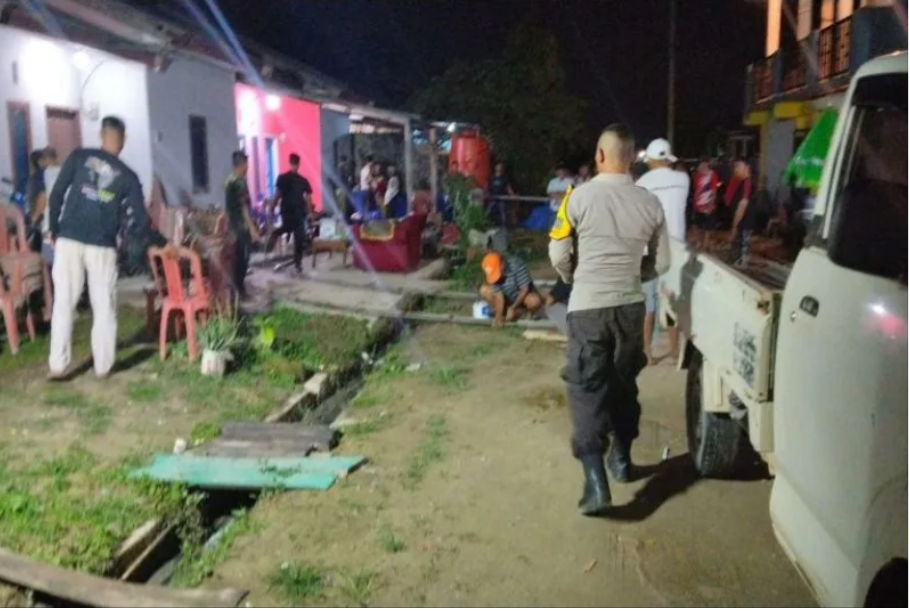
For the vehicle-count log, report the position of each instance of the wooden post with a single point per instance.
(408, 159)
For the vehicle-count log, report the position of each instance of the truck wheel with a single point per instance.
(714, 438)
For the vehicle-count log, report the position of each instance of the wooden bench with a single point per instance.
(331, 246)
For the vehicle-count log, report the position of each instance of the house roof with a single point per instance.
(158, 29)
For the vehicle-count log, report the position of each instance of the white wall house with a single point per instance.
(54, 93)
(194, 131)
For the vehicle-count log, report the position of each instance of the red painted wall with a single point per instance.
(294, 123)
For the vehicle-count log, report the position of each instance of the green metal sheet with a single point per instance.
(247, 473)
(805, 168)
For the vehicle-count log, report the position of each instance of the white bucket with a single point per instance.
(214, 363)
(481, 310)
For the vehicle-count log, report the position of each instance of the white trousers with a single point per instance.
(72, 261)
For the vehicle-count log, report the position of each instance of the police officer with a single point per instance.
(614, 224)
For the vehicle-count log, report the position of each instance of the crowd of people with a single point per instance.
(609, 244)
(378, 191)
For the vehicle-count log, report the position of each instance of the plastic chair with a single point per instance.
(154, 295)
(19, 277)
(186, 298)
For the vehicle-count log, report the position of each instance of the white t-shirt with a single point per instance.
(558, 185)
(366, 173)
(672, 189)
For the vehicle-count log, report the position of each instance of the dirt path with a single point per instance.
(469, 500)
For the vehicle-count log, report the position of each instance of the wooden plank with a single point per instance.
(135, 545)
(546, 336)
(89, 590)
(294, 404)
(465, 320)
(422, 317)
(248, 473)
(130, 572)
(251, 430)
(263, 449)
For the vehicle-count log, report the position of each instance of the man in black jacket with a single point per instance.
(102, 195)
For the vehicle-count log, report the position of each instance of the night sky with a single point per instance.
(615, 51)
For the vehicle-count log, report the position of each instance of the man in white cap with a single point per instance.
(672, 189)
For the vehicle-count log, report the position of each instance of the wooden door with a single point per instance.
(20, 132)
(64, 133)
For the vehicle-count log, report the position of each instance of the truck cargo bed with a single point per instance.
(729, 314)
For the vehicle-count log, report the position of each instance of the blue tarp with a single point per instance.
(541, 219)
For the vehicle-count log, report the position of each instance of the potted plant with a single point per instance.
(468, 215)
(217, 337)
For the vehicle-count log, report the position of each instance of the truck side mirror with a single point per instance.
(869, 228)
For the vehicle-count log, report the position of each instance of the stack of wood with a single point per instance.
(253, 456)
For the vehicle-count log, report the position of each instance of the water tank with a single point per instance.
(471, 156)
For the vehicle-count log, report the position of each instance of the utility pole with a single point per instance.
(671, 77)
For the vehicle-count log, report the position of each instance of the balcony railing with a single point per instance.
(794, 67)
(826, 59)
(761, 74)
(842, 39)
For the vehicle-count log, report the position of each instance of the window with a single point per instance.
(199, 154)
(869, 222)
(878, 143)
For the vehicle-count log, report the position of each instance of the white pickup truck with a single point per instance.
(809, 364)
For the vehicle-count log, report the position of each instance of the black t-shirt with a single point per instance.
(236, 199)
(293, 189)
(499, 186)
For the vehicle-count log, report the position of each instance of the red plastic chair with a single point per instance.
(21, 274)
(187, 298)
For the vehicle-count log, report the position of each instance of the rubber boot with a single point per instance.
(596, 496)
(619, 460)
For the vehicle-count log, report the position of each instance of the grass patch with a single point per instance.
(357, 587)
(71, 508)
(144, 392)
(468, 277)
(388, 541)
(93, 417)
(241, 395)
(198, 565)
(72, 400)
(438, 305)
(370, 398)
(205, 431)
(298, 583)
(366, 428)
(319, 341)
(96, 418)
(73, 512)
(451, 377)
(429, 452)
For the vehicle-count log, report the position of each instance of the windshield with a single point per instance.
(879, 137)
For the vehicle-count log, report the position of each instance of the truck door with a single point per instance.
(840, 390)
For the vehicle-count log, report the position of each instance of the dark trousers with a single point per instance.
(739, 249)
(496, 213)
(242, 248)
(296, 227)
(605, 355)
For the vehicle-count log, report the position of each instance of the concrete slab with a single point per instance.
(331, 287)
